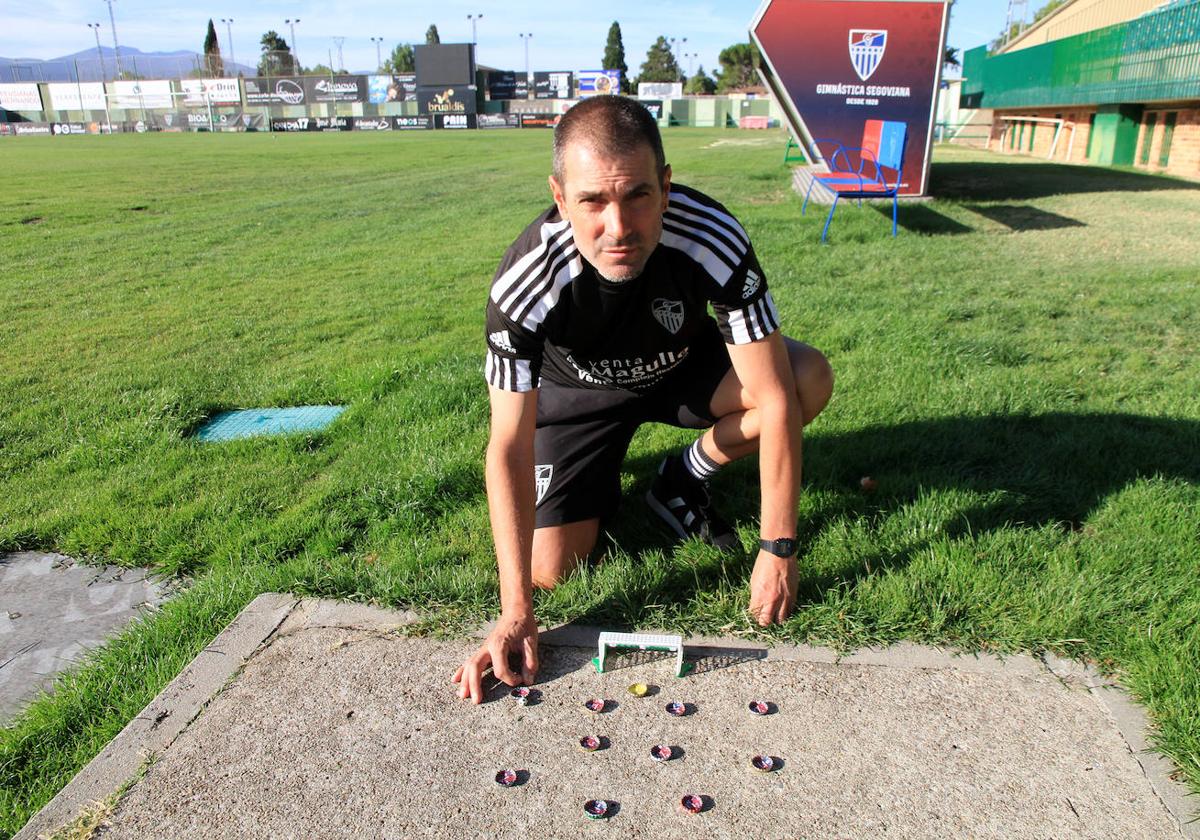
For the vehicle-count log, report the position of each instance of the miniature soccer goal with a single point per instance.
(642, 641)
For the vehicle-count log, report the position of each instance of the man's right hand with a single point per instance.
(513, 635)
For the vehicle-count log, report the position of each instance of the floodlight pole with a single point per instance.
(291, 22)
(525, 36)
(95, 27)
(229, 32)
(116, 47)
(378, 57)
(339, 40)
(474, 20)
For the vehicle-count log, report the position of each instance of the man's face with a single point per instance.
(615, 206)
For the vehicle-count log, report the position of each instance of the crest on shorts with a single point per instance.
(866, 50)
(541, 478)
(753, 281)
(669, 313)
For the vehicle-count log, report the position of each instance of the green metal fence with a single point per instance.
(1155, 57)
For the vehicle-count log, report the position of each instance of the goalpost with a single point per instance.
(1059, 125)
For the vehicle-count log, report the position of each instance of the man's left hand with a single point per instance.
(773, 585)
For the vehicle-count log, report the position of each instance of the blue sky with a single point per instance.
(567, 34)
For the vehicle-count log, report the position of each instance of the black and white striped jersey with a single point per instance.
(550, 314)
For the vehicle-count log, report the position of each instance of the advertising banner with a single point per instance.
(552, 85)
(88, 96)
(281, 90)
(660, 90)
(498, 120)
(294, 124)
(22, 128)
(833, 64)
(454, 121)
(401, 87)
(599, 82)
(141, 94)
(446, 100)
(371, 123)
(507, 84)
(312, 124)
(539, 120)
(200, 92)
(63, 128)
(654, 106)
(21, 97)
(335, 88)
(420, 123)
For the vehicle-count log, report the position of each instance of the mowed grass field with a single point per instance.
(1017, 370)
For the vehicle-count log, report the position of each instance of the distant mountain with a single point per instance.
(153, 65)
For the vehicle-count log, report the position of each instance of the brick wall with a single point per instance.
(1012, 136)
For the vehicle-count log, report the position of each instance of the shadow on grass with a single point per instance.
(1022, 217)
(1008, 181)
(1035, 470)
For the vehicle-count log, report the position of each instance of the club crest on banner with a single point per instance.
(669, 313)
(866, 50)
(541, 476)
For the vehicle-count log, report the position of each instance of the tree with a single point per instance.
(739, 66)
(401, 60)
(277, 59)
(431, 35)
(950, 59)
(660, 65)
(614, 54)
(701, 84)
(212, 52)
(319, 70)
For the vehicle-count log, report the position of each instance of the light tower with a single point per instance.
(525, 36)
(116, 47)
(291, 22)
(339, 40)
(474, 20)
(378, 58)
(229, 40)
(95, 27)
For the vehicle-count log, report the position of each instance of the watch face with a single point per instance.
(784, 547)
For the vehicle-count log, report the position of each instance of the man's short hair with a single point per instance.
(610, 125)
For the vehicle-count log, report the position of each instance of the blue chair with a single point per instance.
(882, 151)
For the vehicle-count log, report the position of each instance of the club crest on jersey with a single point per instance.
(541, 476)
(866, 50)
(669, 313)
(501, 341)
(753, 281)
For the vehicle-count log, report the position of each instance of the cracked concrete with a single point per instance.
(321, 720)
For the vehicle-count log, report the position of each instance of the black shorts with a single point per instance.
(582, 433)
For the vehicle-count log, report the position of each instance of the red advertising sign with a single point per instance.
(834, 64)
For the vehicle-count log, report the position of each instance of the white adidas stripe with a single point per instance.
(728, 222)
(553, 235)
(690, 223)
(701, 253)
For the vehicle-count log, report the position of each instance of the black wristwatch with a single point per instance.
(785, 547)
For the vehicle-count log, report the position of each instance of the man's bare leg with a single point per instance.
(735, 434)
(559, 549)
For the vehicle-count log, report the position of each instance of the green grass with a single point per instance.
(1018, 371)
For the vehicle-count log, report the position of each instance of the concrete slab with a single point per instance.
(321, 720)
(52, 611)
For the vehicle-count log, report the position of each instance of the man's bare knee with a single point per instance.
(559, 549)
(814, 378)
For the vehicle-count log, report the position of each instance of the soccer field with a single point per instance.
(1017, 371)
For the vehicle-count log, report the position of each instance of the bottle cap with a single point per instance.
(589, 743)
(506, 778)
(595, 705)
(763, 763)
(595, 809)
(662, 752)
(639, 689)
(692, 803)
(677, 708)
(760, 707)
